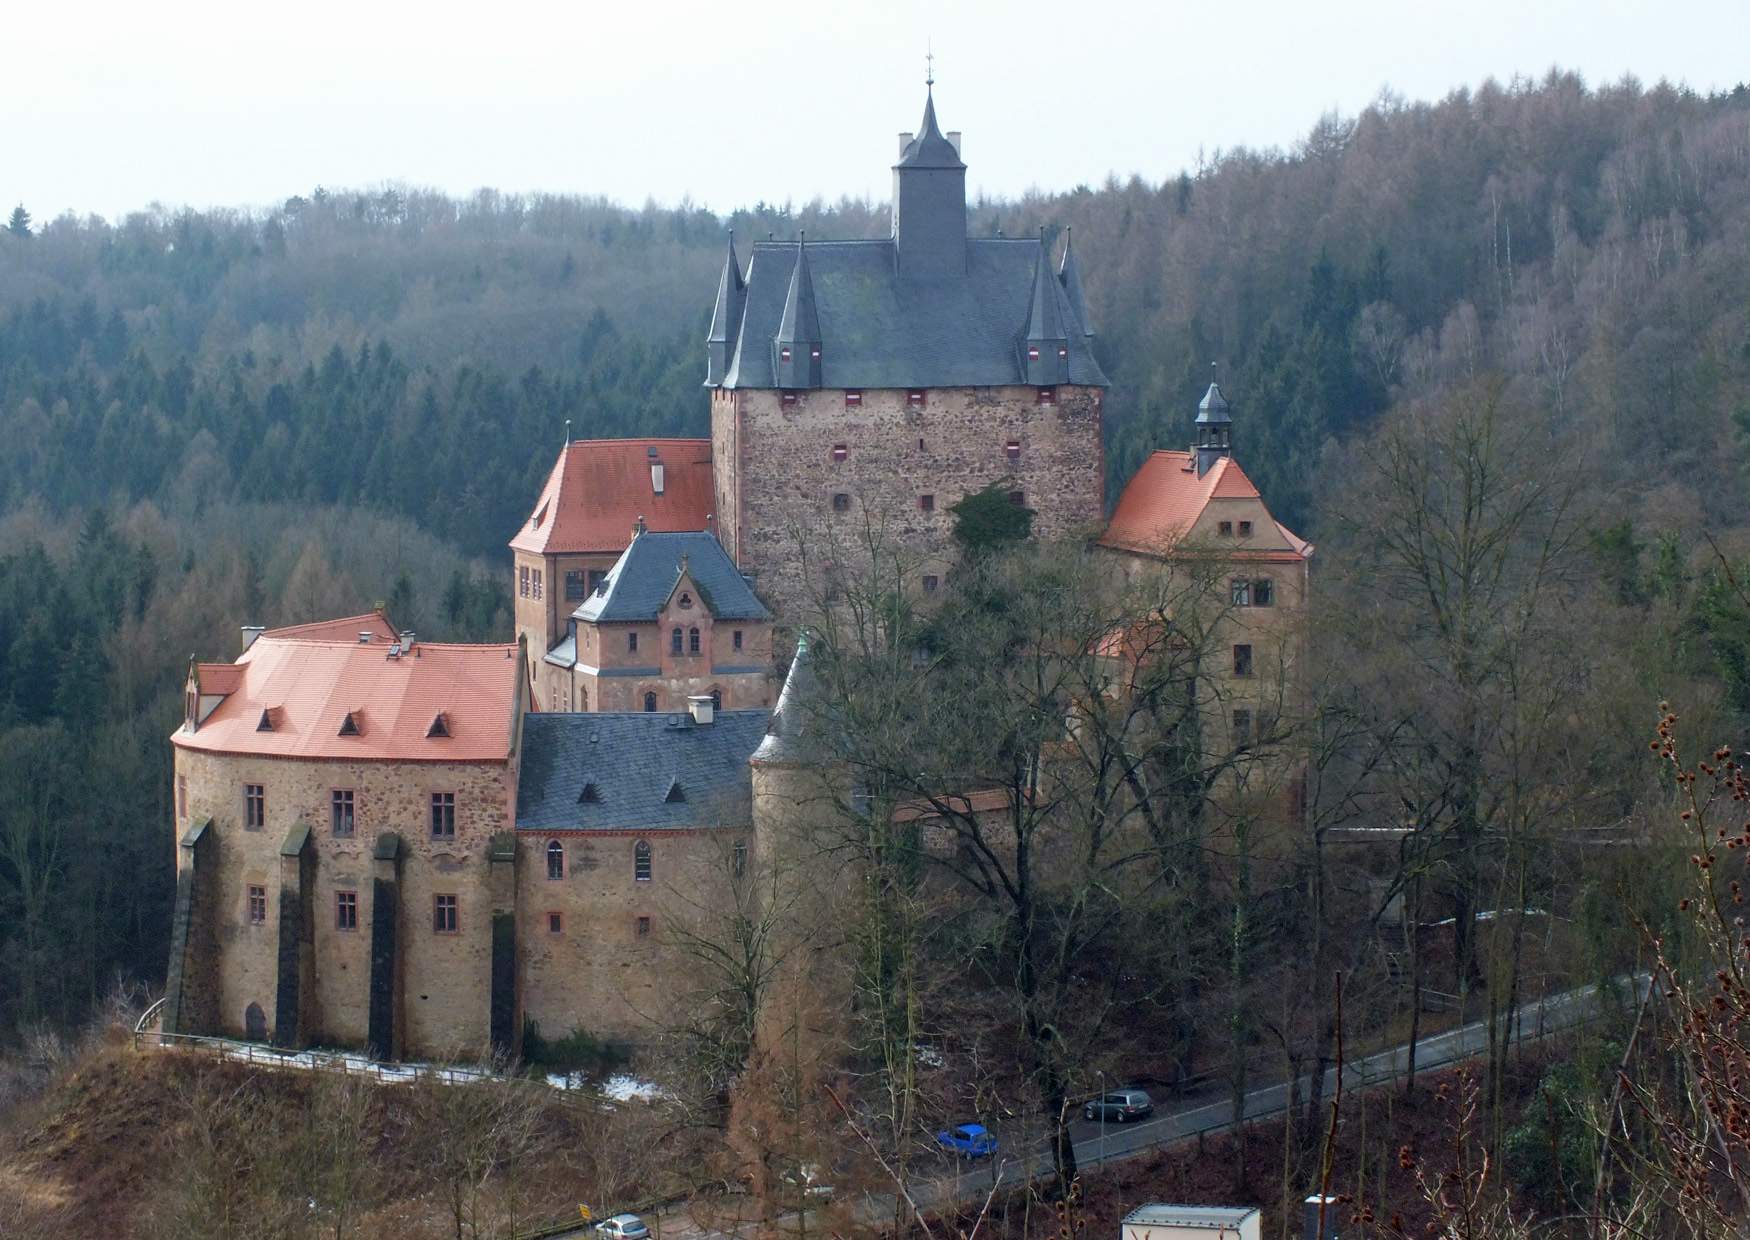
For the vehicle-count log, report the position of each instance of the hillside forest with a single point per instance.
(221, 417)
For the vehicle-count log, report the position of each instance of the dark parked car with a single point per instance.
(968, 1141)
(1120, 1106)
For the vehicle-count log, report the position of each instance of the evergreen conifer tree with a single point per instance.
(19, 224)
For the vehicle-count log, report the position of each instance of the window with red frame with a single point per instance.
(257, 906)
(915, 398)
(1046, 396)
(443, 914)
(346, 910)
(853, 399)
(840, 451)
(1012, 449)
(340, 815)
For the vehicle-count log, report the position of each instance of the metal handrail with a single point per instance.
(147, 1017)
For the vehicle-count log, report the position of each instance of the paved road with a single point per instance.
(1191, 1117)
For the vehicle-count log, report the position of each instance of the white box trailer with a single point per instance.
(1160, 1221)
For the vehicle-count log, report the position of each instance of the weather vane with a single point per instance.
(929, 64)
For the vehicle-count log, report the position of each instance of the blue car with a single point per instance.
(968, 1141)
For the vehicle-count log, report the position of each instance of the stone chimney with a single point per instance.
(702, 709)
(250, 633)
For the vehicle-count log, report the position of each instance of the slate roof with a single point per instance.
(308, 688)
(634, 762)
(600, 487)
(638, 585)
(930, 149)
(787, 737)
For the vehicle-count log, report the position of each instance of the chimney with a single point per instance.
(953, 136)
(905, 140)
(702, 708)
(364, 637)
(406, 640)
(1331, 1209)
(250, 633)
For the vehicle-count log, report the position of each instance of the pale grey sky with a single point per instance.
(107, 106)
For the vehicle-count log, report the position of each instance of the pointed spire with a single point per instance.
(786, 740)
(1070, 276)
(798, 342)
(1214, 429)
(725, 317)
(930, 149)
(1047, 348)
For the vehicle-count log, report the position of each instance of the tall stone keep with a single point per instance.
(859, 384)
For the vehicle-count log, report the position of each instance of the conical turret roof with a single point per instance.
(801, 323)
(731, 293)
(1213, 407)
(1070, 276)
(930, 149)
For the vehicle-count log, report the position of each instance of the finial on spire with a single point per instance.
(929, 65)
(567, 432)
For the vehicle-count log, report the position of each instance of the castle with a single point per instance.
(416, 847)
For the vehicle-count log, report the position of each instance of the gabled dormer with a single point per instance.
(797, 348)
(205, 688)
(1045, 348)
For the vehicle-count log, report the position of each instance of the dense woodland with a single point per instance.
(225, 417)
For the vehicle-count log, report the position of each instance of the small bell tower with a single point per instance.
(1214, 430)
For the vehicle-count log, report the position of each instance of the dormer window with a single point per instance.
(784, 354)
(591, 794)
(1063, 351)
(853, 399)
(840, 452)
(1225, 528)
(914, 398)
(814, 353)
(266, 723)
(676, 794)
(1047, 396)
(351, 725)
(440, 725)
(1032, 352)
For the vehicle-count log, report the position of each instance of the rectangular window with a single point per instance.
(1012, 449)
(853, 398)
(644, 927)
(1245, 529)
(914, 398)
(537, 584)
(931, 582)
(254, 807)
(1242, 593)
(443, 914)
(1032, 352)
(555, 923)
(1047, 396)
(443, 815)
(340, 811)
(926, 503)
(522, 581)
(257, 906)
(1242, 726)
(1018, 498)
(182, 796)
(738, 858)
(596, 577)
(632, 641)
(346, 910)
(1242, 660)
(692, 641)
(1263, 592)
(841, 502)
(789, 399)
(1225, 528)
(840, 451)
(574, 589)
(736, 639)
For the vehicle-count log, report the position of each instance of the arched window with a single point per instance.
(255, 1023)
(674, 642)
(641, 861)
(716, 699)
(686, 601)
(650, 703)
(693, 641)
(555, 860)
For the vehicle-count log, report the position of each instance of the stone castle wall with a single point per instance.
(777, 473)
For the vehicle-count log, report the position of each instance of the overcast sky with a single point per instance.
(106, 107)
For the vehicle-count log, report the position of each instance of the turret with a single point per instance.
(929, 203)
(1046, 344)
(797, 348)
(1070, 276)
(1214, 430)
(725, 318)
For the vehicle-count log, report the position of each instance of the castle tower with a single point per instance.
(877, 383)
(1214, 430)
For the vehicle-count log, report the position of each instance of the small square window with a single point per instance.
(644, 927)
(788, 399)
(1012, 449)
(1047, 396)
(931, 582)
(346, 910)
(841, 502)
(1242, 660)
(443, 914)
(1225, 528)
(853, 399)
(1018, 498)
(254, 807)
(914, 397)
(1245, 529)
(555, 923)
(840, 452)
(257, 906)
(926, 503)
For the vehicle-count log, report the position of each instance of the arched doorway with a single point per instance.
(255, 1023)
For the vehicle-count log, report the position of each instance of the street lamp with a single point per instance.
(1101, 1104)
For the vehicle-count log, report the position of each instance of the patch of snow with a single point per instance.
(623, 1087)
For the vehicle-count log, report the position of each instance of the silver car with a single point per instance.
(622, 1227)
(1120, 1106)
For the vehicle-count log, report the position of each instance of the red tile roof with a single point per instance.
(218, 679)
(311, 686)
(600, 487)
(1163, 500)
(346, 629)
